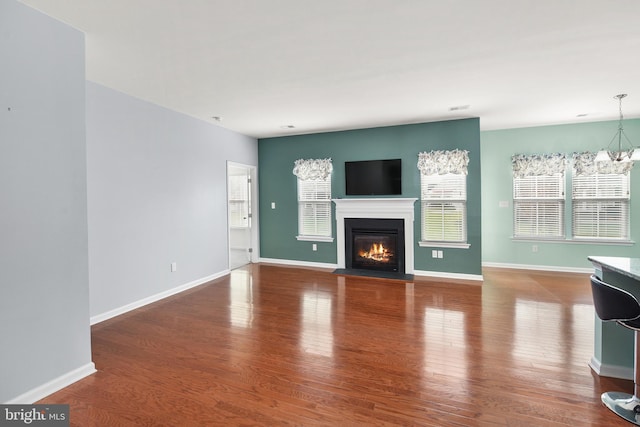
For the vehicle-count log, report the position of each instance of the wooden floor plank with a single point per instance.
(273, 345)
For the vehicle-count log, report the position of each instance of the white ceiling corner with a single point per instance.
(342, 64)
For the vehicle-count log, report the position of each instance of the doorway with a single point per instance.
(241, 187)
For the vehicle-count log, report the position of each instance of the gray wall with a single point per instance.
(157, 194)
(44, 292)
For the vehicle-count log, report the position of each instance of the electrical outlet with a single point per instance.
(534, 248)
(314, 247)
(273, 205)
(434, 254)
(440, 254)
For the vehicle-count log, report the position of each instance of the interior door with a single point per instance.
(239, 184)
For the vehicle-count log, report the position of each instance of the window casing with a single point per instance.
(314, 199)
(600, 206)
(538, 195)
(443, 198)
(444, 208)
(314, 207)
(538, 206)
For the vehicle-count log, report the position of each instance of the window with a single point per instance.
(538, 196)
(444, 208)
(314, 199)
(538, 206)
(314, 207)
(443, 195)
(238, 201)
(600, 199)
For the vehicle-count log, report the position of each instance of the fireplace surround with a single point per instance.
(376, 208)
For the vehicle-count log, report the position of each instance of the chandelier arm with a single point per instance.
(628, 140)
(615, 138)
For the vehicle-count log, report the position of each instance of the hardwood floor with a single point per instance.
(271, 345)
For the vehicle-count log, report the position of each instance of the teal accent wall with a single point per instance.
(497, 222)
(276, 157)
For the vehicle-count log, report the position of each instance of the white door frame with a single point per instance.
(254, 255)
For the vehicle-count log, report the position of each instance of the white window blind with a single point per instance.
(538, 206)
(601, 206)
(314, 207)
(444, 205)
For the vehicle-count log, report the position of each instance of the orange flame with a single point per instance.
(376, 252)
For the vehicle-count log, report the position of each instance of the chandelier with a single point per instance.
(621, 155)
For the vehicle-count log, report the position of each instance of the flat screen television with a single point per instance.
(373, 177)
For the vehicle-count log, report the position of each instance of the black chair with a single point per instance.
(615, 304)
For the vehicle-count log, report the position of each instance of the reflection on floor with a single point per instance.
(272, 345)
(238, 258)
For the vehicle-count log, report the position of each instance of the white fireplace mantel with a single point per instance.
(391, 208)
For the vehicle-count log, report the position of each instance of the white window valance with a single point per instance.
(306, 169)
(538, 164)
(585, 164)
(442, 162)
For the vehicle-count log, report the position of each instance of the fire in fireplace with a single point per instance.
(374, 244)
(373, 249)
(377, 252)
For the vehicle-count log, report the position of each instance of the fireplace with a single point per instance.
(401, 209)
(374, 244)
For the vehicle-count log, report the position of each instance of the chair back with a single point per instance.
(613, 303)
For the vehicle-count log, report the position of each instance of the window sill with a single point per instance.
(315, 238)
(577, 241)
(425, 244)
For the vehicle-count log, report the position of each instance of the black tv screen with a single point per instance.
(373, 177)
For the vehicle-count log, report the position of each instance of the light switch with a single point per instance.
(273, 205)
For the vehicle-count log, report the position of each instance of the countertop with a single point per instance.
(627, 266)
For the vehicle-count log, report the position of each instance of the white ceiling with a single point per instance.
(321, 65)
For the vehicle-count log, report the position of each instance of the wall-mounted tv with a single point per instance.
(373, 177)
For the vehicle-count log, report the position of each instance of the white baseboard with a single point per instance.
(153, 298)
(54, 385)
(612, 371)
(298, 263)
(550, 268)
(446, 275)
